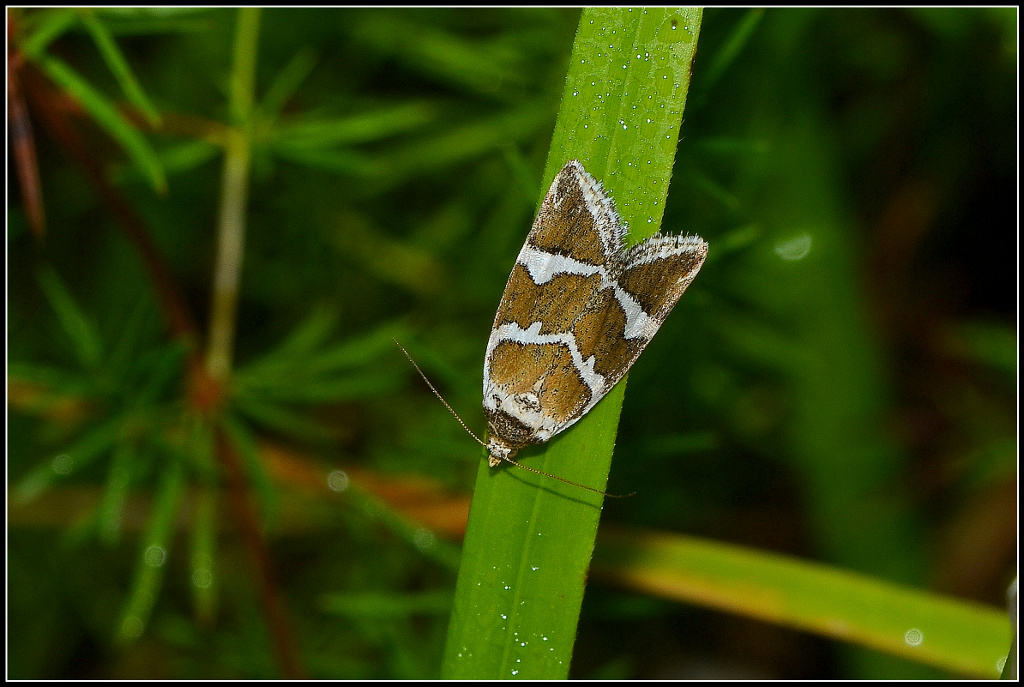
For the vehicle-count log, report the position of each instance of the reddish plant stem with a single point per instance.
(46, 105)
(249, 526)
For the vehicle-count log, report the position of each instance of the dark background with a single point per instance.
(838, 384)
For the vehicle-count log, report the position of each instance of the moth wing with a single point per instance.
(578, 309)
(534, 368)
(577, 219)
(649, 279)
(656, 272)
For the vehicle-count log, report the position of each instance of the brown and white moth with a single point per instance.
(578, 310)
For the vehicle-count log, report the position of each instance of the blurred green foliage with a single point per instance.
(839, 384)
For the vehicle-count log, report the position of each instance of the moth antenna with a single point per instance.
(504, 458)
(567, 481)
(439, 397)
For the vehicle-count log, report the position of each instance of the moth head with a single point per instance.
(499, 450)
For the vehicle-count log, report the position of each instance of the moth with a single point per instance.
(579, 308)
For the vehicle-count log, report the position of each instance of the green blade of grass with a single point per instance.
(110, 515)
(480, 66)
(738, 39)
(529, 538)
(202, 556)
(46, 27)
(120, 67)
(245, 442)
(79, 328)
(284, 85)
(280, 418)
(941, 631)
(106, 115)
(205, 576)
(467, 140)
(355, 129)
(149, 570)
(92, 444)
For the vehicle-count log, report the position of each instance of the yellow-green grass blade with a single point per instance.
(961, 636)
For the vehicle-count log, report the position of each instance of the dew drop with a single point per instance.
(202, 578)
(337, 480)
(424, 539)
(155, 556)
(795, 248)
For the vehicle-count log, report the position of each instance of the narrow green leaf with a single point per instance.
(285, 84)
(57, 380)
(202, 561)
(203, 573)
(732, 47)
(529, 539)
(465, 141)
(156, 545)
(482, 66)
(295, 372)
(106, 115)
(157, 20)
(277, 417)
(70, 459)
(115, 493)
(985, 343)
(155, 25)
(313, 333)
(298, 352)
(312, 389)
(244, 442)
(176, 158)
(358, 352)
(118, 64)
(85, 339)
(361, 128)
(159, 371)
(46, 27)
(735, 241)
(954, 634)
(335, 161)
(426, 542)
(187, 156)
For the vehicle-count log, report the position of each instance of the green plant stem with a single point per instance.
(529, 538)
(234, 196)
